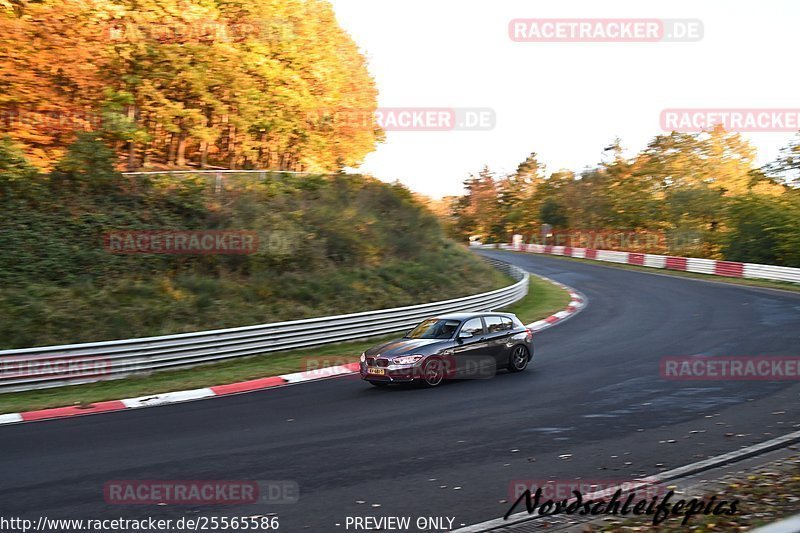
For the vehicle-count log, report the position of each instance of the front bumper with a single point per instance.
(391, 373)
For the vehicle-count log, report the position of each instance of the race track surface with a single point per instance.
(593, 392)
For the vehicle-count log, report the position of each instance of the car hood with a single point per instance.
(407, 347)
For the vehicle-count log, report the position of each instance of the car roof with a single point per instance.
(466, 316)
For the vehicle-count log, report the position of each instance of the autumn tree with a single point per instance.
(478, 211)
(517, 198)
(237, 84)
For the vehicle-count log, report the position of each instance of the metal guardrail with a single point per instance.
(54, 366)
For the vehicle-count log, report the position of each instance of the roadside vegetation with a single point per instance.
(326, 245)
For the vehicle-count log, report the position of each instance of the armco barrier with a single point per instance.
(53, 366)
(729, 269)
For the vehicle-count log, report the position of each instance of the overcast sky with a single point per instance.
(566, 101)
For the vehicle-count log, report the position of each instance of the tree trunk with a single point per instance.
(232, 147)
(203, 154)
(131, 144)
(171, 150)
(181, 155)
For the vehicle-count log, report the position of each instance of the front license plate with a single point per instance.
(376, 371)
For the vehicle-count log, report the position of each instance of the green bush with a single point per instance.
(765, 229)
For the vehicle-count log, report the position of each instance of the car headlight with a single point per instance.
(406, 360)
(363, 357)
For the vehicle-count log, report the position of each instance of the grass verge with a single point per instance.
(542, 300)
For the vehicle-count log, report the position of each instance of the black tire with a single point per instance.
(432, 372)
(518, 359)
(378, 383)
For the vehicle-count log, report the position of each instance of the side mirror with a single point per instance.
(465, 335)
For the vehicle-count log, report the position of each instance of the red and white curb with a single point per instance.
(577, 302)
(712, 267)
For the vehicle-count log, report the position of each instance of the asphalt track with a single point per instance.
(593, 392)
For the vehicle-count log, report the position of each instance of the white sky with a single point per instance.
(566, 101)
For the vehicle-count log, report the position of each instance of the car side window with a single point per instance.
(508, 324)
(494, 324)
(474, 326)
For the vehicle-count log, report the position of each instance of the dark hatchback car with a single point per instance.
(452, 346)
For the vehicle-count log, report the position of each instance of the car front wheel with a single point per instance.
(432, 372)
(519, 359)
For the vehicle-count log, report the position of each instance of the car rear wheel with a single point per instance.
(432, 372)
(518, 361)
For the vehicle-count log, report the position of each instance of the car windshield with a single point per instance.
(434, 328)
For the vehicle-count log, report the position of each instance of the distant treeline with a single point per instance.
(701, 194)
